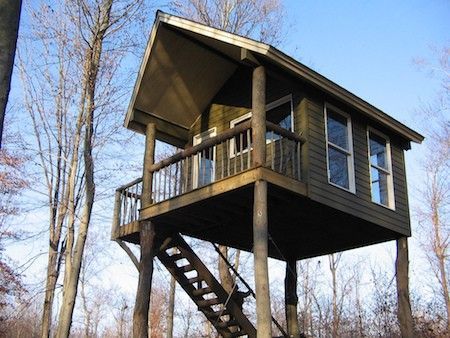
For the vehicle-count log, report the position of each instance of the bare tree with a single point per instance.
(435, 201)
(9, 28)
(71, 95)
(261, 20)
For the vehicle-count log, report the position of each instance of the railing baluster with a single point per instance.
(299, 166)
(281, 157)
(248, 148)
(228, 157)
(164, 180)
(213, 164)
(272, 151)
(222, 164)
(241, 144)
(235, 155)
(292, 150)
(159, 185)
(169, 183)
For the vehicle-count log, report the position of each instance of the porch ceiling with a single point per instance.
(177, 83)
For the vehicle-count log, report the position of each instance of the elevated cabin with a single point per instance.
(333, 163)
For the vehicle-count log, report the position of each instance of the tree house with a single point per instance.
(269, 149)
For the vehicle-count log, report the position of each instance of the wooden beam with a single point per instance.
(260, 219)
(291, 299)
(146, 241)
(149, 158)
(142, 303)
(404, 313)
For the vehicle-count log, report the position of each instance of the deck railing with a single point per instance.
(215, 158)
(218, 157)
(127, 203)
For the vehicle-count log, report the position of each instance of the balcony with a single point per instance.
(211, 175)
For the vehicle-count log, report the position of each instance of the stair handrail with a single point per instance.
(278, 325)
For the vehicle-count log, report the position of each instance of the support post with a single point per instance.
(260, 220)
(147, 239)
(291, 298)
(404, 313)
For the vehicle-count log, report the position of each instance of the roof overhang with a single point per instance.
(186, 63)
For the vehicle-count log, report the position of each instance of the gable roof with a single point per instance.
(186, 63)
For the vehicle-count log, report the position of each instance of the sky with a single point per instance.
(369, 48)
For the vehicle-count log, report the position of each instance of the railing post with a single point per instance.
(147, 237)
(149, 159)
(260, 220)
(116, 216)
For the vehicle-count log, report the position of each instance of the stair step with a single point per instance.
(226, 324)
(186, 268)
(177, 257)
(208, 302)
(215, 314)
(238, 334)
(194, 280)
(202, 291)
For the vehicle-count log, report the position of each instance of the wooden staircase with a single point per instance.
(204, 289)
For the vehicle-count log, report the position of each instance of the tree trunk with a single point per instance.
(141, 307)
(291, 299)
(334, 261)
(73, 265)
(260, 221)
(402, 276)
(224, 272)
(9, 29)
(52, 277)
(171, 307)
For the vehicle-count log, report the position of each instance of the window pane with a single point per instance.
(241, 144)
(281, 115)
(378, 151)
(337, 129)
(206, 172)
(338, 167)
(379, 186)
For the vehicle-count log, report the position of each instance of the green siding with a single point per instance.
(234, 100)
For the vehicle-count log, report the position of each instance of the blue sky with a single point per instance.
(369, 47)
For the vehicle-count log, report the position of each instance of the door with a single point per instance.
(204, 166)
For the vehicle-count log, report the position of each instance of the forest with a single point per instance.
(64, 151)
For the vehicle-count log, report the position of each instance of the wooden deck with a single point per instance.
(222, 212)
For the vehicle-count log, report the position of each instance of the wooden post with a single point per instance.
(404, 313)
(149, 159)
(291, 299)
(147, 238)
(260, 221)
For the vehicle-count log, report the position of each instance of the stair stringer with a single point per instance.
(204, 275)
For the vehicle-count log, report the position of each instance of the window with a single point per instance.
(381, 182)
(239, 144)
(279, 112)
(204, 162)
(338, 132)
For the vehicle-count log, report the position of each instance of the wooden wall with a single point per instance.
(234, 100)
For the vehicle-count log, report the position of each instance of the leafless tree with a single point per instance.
(68, 74)
(262, 20)
(9, 28)
(435, 202)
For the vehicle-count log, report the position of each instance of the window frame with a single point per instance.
(233, 124)
(197, 139)
(282, 100)
(389, 172)
(349, 153)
